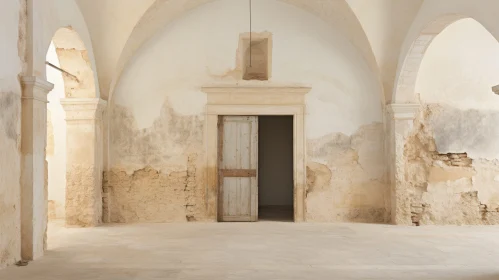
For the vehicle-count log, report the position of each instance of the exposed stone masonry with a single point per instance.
(454, 159)
(446, 188)
(149, 195)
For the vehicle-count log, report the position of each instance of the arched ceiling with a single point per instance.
(121, 27)
(110, 23)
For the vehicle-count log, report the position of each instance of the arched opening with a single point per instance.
(56, 140)
(74, 135)
(73, 57)
(406, 80)
(451, 154)
(459, 67)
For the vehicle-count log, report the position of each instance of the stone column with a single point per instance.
(400, 123)
(84, 165)
(34, 196)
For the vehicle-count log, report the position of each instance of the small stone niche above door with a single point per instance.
(255, 56)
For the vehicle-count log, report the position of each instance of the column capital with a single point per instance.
(403, 111)
(83, 108)
(35, 88)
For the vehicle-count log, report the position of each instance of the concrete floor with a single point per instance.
(265, 250)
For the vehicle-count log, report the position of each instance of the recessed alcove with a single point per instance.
(255, 55)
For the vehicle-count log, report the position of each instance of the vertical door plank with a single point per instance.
(238, 167)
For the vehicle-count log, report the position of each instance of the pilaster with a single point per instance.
(34, 197)
(84, 165)
(400, 118)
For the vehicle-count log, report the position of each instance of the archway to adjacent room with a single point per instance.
(450, 153)
(71, 114)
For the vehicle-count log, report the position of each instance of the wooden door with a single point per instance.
(238, 164)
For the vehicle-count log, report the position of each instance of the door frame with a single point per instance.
(256, 99)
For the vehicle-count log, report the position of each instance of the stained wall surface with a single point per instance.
(157, 160)
(453, 154)
(12, 55)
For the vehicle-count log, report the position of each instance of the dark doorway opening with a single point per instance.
(275, 168)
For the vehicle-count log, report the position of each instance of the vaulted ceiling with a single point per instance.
(119, 27)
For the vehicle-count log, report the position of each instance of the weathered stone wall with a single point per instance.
(449, 177)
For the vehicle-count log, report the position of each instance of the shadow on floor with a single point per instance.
(275, 213)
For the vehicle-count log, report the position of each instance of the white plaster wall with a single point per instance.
(460, 66)
(386, 23)
(158, 113)
(201, 47)
(10, 128)
(57, 161)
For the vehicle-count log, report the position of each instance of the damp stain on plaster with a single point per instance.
(318, 177)
(10, 126)
(346, 177)
(10, 114)
(163, 146)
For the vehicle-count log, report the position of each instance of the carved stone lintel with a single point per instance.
(406, 111)
(263, 93)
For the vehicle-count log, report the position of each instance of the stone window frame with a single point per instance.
(256, 100)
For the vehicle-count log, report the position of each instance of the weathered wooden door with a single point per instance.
(238, 165)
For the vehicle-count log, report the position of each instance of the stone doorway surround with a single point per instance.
(256, 99)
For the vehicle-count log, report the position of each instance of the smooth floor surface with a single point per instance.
(265, 250)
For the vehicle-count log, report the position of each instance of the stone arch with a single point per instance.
(83, 114)
(338, 14)
(405, 84)
(73, 57)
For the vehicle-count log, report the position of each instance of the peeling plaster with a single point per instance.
(445, 182)
(346, 177)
